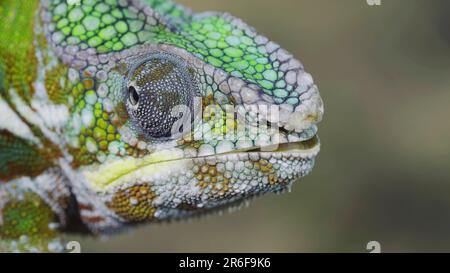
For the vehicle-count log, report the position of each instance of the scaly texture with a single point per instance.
(119, 112)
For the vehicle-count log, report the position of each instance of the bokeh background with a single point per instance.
(384, 170)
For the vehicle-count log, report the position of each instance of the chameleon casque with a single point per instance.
(87, 93)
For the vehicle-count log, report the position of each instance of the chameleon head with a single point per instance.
(184, 115)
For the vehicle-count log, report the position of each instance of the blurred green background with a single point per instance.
(383, 172)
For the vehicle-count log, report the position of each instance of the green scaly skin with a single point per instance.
(86, 94)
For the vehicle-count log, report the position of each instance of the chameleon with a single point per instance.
(117, 113)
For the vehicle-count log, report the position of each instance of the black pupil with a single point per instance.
(134, 96)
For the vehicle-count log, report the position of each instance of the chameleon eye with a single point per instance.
(158, 83)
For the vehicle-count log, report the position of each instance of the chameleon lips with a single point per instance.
(166, 163)
(300, 146)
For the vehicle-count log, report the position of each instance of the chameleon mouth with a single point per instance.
(113, 174)
(285, 147)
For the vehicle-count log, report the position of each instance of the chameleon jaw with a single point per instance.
(165, 186)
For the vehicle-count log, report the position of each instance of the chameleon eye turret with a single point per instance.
(157, 84)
